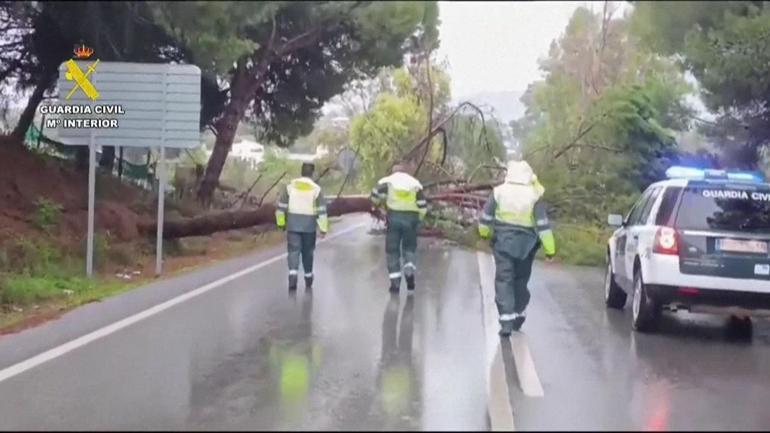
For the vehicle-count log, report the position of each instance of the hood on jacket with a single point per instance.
(519, 172)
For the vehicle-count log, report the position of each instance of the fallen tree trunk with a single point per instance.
(216, 222)
(462, 196)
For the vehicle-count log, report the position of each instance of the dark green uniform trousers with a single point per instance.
(401, 240)
(301, 245)
(514, 253)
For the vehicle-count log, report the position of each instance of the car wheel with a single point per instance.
(740, 327)
(614, 296)
(645, 311)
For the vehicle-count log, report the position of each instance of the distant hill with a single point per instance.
(506, 105)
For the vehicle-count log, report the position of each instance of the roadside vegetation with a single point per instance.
(610, 113)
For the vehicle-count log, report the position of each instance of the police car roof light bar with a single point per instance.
(680, 172)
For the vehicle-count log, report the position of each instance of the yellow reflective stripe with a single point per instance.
(303, 186)
(525, 219)
(402, 200)
(323, 223)
(548, 241)
(484, 231)
(280, 218)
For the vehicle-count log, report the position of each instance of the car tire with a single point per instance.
(740, 327)
(645, 310)
(614, 296)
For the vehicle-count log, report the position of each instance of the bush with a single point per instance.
(580, 244)
(123, 255)
(27, 255)
(46, 214)
(26, 289)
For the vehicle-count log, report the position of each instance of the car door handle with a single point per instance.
(636, 237)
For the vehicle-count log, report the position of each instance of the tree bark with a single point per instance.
(226, 127)
(220, 221)
(28, 115)
(244, 84)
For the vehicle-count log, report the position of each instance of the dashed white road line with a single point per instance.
(58, 351)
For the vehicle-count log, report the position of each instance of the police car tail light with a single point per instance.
(666, 241)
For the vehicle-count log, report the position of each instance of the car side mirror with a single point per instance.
(615, 220)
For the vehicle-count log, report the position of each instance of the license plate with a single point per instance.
(741, 246)
(762, 269)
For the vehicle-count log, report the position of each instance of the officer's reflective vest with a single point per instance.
(401, 192)
(518, 205)
(305, 204)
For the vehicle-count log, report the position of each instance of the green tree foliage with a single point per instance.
(386, 133)
(726, 46)
(398, 121)
(474, 146)
(598, 127)
(42, 35)
(283, 60)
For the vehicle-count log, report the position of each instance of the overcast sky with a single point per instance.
(494, 46)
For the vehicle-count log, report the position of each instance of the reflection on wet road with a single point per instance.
(598, 374)
(248, 355)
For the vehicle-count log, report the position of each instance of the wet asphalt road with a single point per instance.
(348, 355)
(248, 355)
(695, 372)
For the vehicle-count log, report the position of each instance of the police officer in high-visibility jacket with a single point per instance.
(406, 205)
(515, 219)
(301, 207)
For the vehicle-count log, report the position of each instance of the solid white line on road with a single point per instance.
(58, 351)
(498, 396)
(525, 366)
(498, 400)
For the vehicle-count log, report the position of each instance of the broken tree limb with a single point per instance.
(437, 126)
(215, 222)
(248, 191)
(262, 199)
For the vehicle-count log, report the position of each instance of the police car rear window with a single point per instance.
(667, 204)
(724, 207)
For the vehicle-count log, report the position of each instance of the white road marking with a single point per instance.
(58, 351)
(525, 366)
(498, 395)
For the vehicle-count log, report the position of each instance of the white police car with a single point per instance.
(697, 241)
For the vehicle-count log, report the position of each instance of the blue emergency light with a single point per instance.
(680, 172)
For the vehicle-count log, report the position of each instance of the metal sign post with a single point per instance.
(132, 105)
(91, 200)
(161, 200)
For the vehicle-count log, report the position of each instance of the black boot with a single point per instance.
(308, 283)
(292, 282)
(410, 282)
(506, 328)
(518, 321)
(395, 285)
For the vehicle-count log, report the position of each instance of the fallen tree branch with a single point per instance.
(262, 199)
(440, 125)
(248, 191)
